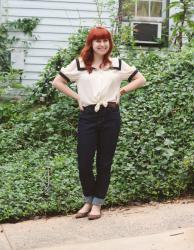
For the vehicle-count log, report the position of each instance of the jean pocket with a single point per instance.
(86, 111)
(113, 110)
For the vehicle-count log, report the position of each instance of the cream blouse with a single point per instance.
(101, 85)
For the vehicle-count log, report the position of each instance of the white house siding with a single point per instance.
(58, 20)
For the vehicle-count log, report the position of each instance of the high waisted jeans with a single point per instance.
(97, 133)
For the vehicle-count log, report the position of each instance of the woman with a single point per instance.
(98, 77)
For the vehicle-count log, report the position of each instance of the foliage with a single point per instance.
(153, 161)
(183, 23)
(7, 73)
(10, 79)
(26, 25)
(5, 43)
(156, 142)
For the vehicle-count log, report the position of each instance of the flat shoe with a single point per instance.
(93, 216)
(81, 215)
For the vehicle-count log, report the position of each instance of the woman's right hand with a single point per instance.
(80, 104)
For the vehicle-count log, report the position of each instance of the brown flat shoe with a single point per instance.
(94, 217)
(81, 215)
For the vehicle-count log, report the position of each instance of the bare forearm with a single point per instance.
(135, 84)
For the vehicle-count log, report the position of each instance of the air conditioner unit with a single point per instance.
(146, 32)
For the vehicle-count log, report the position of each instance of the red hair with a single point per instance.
(87, 52)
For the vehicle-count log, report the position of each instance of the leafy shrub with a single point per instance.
(157, 132)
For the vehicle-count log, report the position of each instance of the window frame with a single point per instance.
(145, 18)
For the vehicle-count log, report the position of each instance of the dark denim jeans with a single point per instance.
(97, 133)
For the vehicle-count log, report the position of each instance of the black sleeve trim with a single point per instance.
(64, 76)
(132, 75)
(119, 64)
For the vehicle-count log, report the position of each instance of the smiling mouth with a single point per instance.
(103, 49)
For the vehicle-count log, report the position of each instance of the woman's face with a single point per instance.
(100, 46)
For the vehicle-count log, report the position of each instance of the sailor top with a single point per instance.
(101, 85)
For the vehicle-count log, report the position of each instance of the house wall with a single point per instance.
(58, 20)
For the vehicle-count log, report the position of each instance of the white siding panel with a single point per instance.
(60, 37)
(36, 60)
(47, 45)
(56, 29)
(31, 75)
(55, 13)
(64, 21)
(29, 83)
(51, 5)
(41, 52)
(73, 21)
(34, 67)
(55, 1)
(52, 36)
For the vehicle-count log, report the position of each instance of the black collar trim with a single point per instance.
(119, 67)
(79, 68)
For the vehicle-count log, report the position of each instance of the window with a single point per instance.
(156, 8)
(142, 8)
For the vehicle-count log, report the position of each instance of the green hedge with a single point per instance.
(153, 161)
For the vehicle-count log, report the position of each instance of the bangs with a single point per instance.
(101, 34)
(98, 33)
